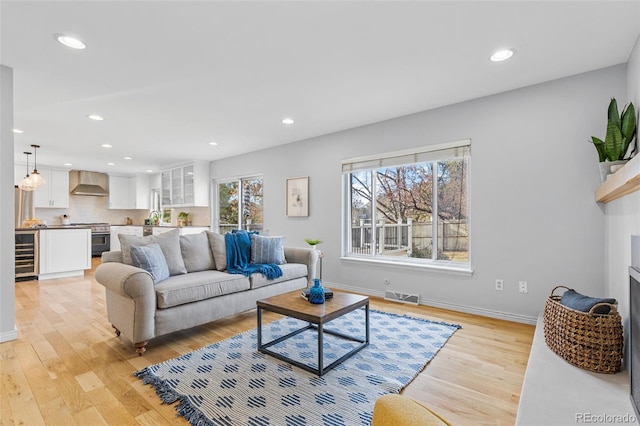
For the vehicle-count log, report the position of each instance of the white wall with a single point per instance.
(622, 216)
(533, 176)
(7, 243)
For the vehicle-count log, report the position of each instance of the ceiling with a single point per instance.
(171, 76)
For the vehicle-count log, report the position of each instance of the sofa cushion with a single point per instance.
(169, 243)
(151, 259)
(290, 271)
(195, 286)
(196, 252)
(267, 249)
(219, 249)
(111, 256)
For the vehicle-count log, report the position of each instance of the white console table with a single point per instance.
(555, 392)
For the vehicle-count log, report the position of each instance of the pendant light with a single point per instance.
(36, 179)
(26, 184)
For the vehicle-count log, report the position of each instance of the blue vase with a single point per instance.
(316, 293)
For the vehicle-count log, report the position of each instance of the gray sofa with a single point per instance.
(203, 291)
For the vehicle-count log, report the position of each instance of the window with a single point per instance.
(409, 206)
(240, 204)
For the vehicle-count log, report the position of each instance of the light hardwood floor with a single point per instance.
(68, 368)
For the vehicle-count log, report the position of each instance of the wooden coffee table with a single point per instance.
(293, 305)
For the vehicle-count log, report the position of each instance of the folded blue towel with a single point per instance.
(238, 244)
(574, 300)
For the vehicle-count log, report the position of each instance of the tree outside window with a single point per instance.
(240, 205)
(394, 213)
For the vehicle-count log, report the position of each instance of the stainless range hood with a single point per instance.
(83, 182)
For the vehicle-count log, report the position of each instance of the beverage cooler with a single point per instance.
(26, 254)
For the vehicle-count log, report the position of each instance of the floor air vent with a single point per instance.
(402, 297)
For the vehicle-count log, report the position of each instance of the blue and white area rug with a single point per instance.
(231, 383)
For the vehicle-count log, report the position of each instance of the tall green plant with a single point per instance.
(621, 131)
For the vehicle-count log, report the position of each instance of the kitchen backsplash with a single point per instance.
(84, 209)
(199, 215)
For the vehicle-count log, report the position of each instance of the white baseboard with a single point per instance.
(9, 335)
(436, 304)
(55, 275)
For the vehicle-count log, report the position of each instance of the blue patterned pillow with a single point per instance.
(267, 249)
(151, 259)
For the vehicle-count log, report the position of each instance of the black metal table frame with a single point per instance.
(320, 371)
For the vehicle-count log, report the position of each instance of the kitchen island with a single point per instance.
(64, 251)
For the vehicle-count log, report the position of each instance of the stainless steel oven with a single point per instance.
(100, 242)
(27, 256)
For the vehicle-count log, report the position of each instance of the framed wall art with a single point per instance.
(297, 196)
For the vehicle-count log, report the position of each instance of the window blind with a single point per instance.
(425, 154)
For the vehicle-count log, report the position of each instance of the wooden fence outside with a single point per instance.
(405, 237)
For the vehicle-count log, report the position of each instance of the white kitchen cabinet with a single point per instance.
(129, 192)
(55, 192)
(186, 230)
(155, 181)
(64, 252)
(119, 193)
(129, 230)
(142, 191)
(186, 186)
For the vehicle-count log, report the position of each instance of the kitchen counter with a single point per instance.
(53, 227)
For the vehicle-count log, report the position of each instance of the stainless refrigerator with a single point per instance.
(25, 208)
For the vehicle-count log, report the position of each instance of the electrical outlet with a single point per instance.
(522, 286)
(499, 285)
(387, 281)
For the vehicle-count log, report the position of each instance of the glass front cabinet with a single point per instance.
(186, 185)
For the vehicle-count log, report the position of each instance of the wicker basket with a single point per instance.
(585, 339)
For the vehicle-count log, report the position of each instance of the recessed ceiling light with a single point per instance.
(18, 131)
(213, 143)
(287, 121)
(69, 41)
(106, 145)
(67, 164)
(111, 164)
(502, 55)
(149, 171)
(127, 158)
(96, 117)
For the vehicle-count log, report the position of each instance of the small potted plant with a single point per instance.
(312, 243)
(614, 151)
(183, 218)
(155, 218)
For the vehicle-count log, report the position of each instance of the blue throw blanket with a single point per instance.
(238, 246)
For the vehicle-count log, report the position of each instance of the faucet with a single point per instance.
(154, 216)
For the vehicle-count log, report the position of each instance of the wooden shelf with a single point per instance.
(623, 182)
